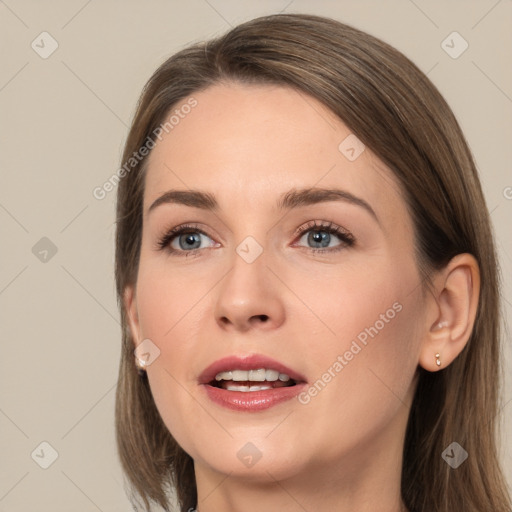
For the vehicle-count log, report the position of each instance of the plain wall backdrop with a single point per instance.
(66, 100)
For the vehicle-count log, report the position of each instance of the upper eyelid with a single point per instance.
(328, 225)
(310, 225)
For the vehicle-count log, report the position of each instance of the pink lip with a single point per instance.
(251, 401)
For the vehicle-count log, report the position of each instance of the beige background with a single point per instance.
(63, 122)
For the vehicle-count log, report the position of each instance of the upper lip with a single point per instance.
(247, 362)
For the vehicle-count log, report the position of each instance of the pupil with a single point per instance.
(190, 239)
(317, 237)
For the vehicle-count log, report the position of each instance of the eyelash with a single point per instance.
(346, 238)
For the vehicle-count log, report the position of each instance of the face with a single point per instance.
(324, 285)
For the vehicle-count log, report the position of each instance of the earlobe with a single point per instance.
(452, 312)
(130, 305)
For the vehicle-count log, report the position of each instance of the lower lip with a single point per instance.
(252, 400)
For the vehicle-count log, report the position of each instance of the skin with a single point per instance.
(247, 145)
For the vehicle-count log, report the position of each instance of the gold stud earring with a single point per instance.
(438, 361)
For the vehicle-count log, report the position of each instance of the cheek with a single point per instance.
(355, 300)
(167, 298)
(364, 357)
(364, 329)
(171, 307)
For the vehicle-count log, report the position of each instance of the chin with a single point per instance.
(258, 460)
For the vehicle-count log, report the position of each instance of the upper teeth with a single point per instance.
(259, 375)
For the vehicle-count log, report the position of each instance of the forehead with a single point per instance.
(247, 144)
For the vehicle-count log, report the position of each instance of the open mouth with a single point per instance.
(251, 380)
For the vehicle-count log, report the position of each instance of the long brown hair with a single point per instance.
(392, 107)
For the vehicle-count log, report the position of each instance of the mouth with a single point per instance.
(252, 383)
(259, 379)
(249, 374)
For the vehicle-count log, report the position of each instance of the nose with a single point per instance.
(249, 298)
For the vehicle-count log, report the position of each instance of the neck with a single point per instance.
(231, 495)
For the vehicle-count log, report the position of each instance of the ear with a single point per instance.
(451, 312)
(130, 304)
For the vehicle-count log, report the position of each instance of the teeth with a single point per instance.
(224, 376)
(239, 375)
(272, 375)
(233, 387)
(259, 375)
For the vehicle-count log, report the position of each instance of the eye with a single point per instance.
(322, 237)
(189, 239)
(185, 239)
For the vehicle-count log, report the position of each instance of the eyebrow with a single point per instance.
(294, 198)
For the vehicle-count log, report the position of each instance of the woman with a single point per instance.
(308, 283)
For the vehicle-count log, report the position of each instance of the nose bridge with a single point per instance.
(248, 295)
